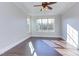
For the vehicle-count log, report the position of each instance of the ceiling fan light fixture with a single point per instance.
(44, 8)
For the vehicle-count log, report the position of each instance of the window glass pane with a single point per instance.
(39, 21)
(44, 21)
(50, 24)
(38, 24)
(28, 20)
(44, 24)
(50, 21)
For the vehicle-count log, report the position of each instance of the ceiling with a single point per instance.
(58, 8)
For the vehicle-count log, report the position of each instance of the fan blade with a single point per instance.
(49, 7)
(44, 3)
(51, 3)
(37, 5)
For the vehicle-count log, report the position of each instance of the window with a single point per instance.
(28, 24)
(45, 24)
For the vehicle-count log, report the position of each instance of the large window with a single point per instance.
(45, 24)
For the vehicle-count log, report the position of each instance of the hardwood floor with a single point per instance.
(42, 49)
(35, 46)
(68, 49)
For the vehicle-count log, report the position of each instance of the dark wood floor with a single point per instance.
(33, 47)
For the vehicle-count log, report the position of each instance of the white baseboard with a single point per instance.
(63, 38)
(12, 45)
(45, 36)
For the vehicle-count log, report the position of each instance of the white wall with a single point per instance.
(56, 33)
(13, 26)
(71, 18)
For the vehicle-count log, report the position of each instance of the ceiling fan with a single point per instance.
(45, 5)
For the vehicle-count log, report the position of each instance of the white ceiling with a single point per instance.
(58, 8)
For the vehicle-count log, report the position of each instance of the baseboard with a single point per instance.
(45, 36)
(12, 45)
(63, 38)
(58, 37)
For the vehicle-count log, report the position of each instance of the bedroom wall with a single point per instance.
(13, 26)
(70, 25)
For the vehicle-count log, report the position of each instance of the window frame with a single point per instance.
(53, 24)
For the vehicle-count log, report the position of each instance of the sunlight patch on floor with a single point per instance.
(72, 35)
